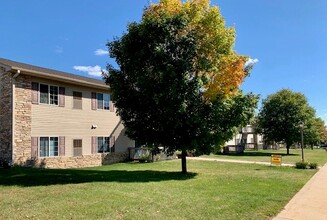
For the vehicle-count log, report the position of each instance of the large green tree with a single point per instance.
(314, 132)
(281, 114)
(178, 78)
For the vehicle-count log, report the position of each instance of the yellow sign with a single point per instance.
(276, 159)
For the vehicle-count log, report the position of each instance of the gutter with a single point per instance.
(62, 78)
(17, 74)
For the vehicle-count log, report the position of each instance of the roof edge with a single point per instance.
(61, 78)
(6, 67)
(46, 73)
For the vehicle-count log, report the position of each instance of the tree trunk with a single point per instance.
(184, 170)
(288, 149)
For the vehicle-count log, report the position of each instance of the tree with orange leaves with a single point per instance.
(179, 77)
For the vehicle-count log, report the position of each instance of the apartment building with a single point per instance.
(55, 119)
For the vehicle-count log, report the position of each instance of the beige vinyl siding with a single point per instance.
(122, 141)
(72, 123)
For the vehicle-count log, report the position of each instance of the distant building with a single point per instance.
(54, 119)
(248, 137)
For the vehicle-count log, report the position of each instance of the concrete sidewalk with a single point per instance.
(310, 203)
(235, 161)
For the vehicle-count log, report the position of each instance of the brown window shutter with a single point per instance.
(34, 147)
(112, 144)
(94, 145)
(61, 96)
(35, 93)
(61, 146)
(93, 101)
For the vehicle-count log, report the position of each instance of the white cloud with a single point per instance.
(251, 61)
(91, 70)
(101, 52)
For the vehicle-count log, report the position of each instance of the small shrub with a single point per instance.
(301, 165)
(191, 153)
(313, 165)
(5, 164)
(178, 154)
(145, 157)
(217, 149)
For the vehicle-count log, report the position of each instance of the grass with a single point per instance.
(211, 190)
(314, 156)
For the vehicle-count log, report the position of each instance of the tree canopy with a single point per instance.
(281, 114)
(178, 78)
(315, 132)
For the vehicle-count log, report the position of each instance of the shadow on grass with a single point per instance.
(18, 176)
(259, 154)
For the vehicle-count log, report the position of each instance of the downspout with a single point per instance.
(13, 86)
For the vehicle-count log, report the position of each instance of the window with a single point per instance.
(48, 146)
(49, 94)
(77, 100)
(106, 100)
(100, 100)
(44, 90)
(103, 101)
(77, 147)
(103, 144)
(53, 95)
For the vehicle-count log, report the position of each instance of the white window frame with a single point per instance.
(49, 147)
(105, 105)
(49, 87)
(103, 141)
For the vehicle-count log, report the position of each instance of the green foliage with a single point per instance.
(160, 88)
(313, 165)
(314, 131)
(145, 156)
(281, 114)
(301, 165)
(217, 149)
(305, 165)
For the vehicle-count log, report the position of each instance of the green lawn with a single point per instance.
(211, 190)
(314, 156)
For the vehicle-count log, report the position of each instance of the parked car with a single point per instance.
(323, 145)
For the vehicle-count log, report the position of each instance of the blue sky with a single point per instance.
(287, 37)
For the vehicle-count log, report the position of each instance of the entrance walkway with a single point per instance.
(310, 203)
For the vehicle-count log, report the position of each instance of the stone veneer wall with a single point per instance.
(77, 162)
(22, 120)
(5, 116)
